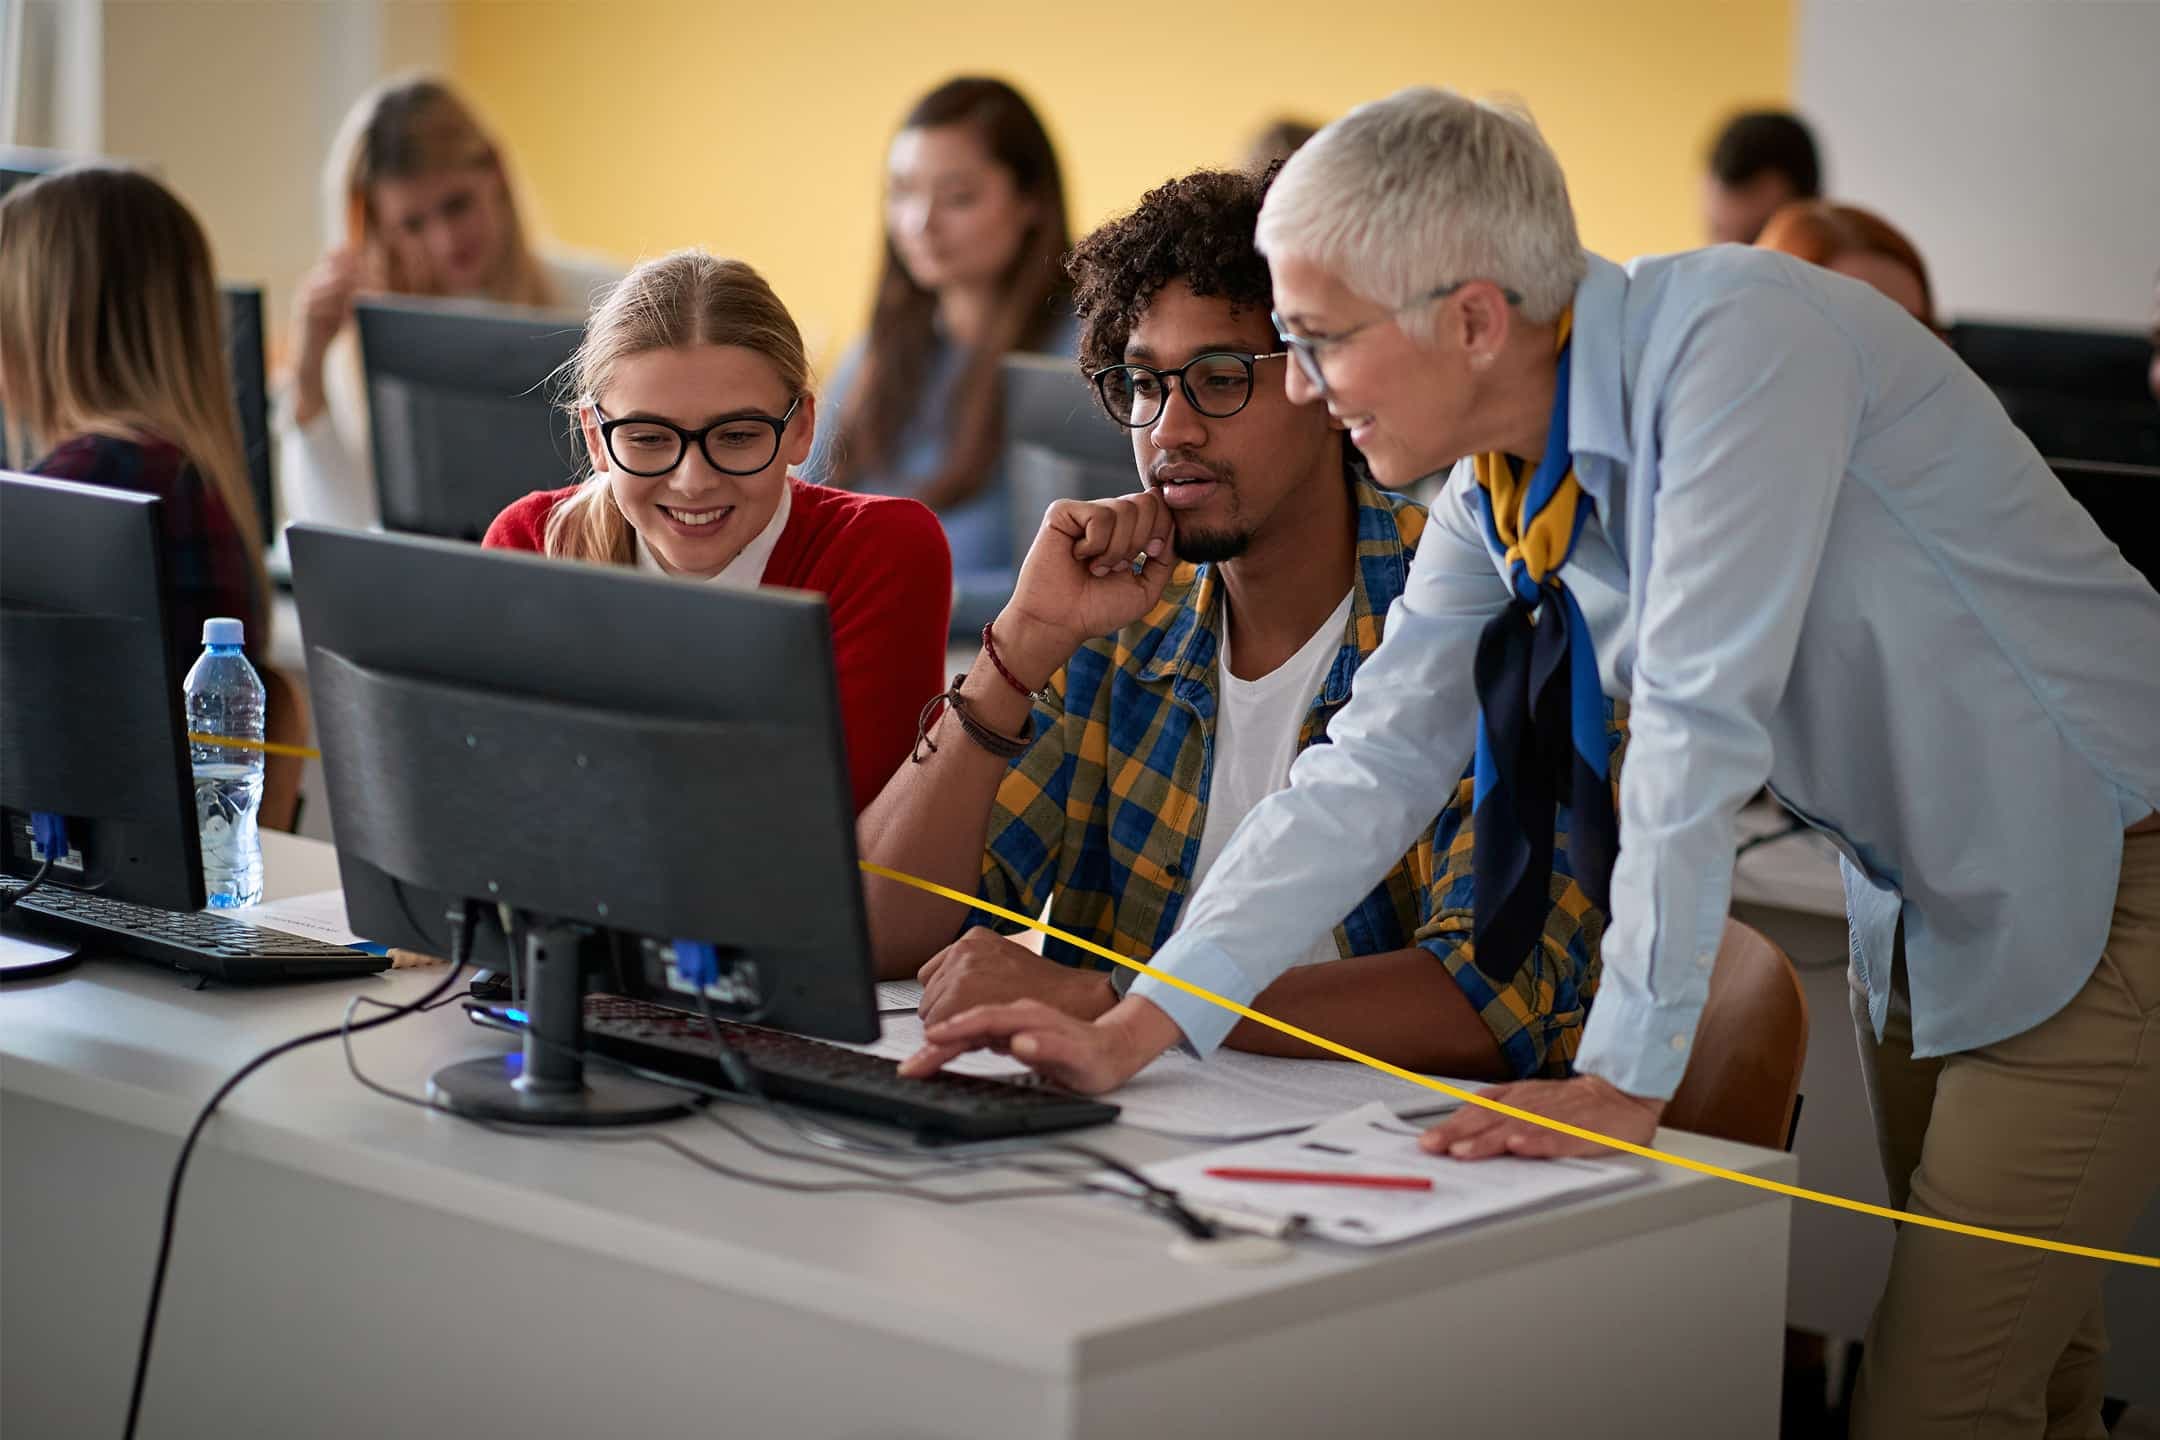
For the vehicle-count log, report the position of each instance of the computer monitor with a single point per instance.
(92, 728)
(20, 164)
(2079, 395)
(251, 396)
(461, 411)
(2123, 499)
(624, 762)
(1059, 445)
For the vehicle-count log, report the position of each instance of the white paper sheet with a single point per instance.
(899, 995)
(1232, 1096)
(320, 916)
(1371, 1141)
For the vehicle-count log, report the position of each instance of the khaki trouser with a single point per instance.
(2054, 1132)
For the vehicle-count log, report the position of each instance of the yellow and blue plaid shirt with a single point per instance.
(1101, 817)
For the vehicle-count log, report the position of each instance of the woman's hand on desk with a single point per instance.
(1585, 1102)
(982, 967)
(1086, 1057)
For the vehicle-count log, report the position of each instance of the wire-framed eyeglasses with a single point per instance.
(1308, 349)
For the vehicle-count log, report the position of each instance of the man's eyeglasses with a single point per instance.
(1309, 348)
(738, 445)
(1217, 384)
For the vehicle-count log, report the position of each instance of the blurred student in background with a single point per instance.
(1761, 160)
(1277, 141)
(1854, 242)
(975, 233)
(693, 393)
(420, 203)
(112, 364)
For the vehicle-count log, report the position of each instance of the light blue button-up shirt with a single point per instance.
(1822, 557)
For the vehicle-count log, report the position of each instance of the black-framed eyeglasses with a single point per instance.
(736, 445)
(1309, 348)
(1217, 383)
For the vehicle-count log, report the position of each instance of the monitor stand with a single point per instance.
(27, 957)
(546, 1083)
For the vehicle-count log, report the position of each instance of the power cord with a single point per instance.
(16, 897)
(697, 963)
(669, 1142)
(463, 923)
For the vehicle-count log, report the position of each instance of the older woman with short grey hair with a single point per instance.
(1770, 509)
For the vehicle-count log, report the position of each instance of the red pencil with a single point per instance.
(1324, 1177)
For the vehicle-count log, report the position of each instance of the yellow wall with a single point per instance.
(758, 127)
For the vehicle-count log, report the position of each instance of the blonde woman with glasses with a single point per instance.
(694, 396)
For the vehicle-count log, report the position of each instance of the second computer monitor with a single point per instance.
(650, 760)
(462, 413)
(92, 729)
(251, 397)
(1059, 445)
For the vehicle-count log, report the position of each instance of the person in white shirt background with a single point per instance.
(1808, 546)
(420, 203)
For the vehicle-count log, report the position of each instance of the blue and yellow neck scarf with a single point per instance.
(1541, 717)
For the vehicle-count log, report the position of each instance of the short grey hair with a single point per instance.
(1427, 188)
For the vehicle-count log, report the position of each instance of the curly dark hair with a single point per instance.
(1197, 228)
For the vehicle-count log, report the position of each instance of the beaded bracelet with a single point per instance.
(1040, 697)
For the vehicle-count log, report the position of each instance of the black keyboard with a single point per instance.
(200, 942)
(832, 1077)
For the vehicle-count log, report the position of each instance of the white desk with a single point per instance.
(349, 1266)
(1789, 889)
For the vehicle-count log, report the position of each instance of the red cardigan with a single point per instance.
(886, 574)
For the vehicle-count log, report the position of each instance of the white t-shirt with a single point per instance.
(747, 570)
(1256, 737)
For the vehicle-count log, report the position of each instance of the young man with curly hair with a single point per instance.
(1164, 658)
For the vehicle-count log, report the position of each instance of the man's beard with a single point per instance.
(1204, 547)
(1196, 545)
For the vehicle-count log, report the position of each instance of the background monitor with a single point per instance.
(1059, 445)
(2124, 500)
(92, 727)
(2079, 395)
(251, 395)
(20, 164)
(461, 411)
(623, 761)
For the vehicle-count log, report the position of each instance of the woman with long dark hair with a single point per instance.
(975, 233)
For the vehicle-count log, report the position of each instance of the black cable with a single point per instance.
(1156, 1198)
(463, 923)
(16, 897)
(668, 1142)
(1792, 827)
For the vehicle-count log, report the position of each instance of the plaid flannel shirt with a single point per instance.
(1101, 818)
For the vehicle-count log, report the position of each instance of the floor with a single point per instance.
(1817, 1391)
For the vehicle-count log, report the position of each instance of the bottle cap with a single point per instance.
(223, 631)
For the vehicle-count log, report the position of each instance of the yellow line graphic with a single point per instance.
(267, 747)
(1839, 1202)
(1859, 1207)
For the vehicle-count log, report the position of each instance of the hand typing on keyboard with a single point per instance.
(1087, 1057)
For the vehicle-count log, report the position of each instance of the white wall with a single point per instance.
(53, 76)
(2016, 141)
(233, 103)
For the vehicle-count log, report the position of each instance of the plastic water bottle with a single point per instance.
(225, 698)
